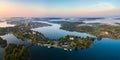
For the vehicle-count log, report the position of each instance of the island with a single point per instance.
(75, 42)
(16, 52)
(97, 29)
(31, 36)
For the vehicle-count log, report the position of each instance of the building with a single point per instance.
(71, 38)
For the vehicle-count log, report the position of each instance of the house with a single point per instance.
(105, 33)
(33, 32)
(71, 38)
(45, 44)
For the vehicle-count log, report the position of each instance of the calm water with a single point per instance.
(13, 39)
(105, 49)
(54, 31)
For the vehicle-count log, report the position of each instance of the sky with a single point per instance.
(60, 8)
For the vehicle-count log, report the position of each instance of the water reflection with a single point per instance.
(3, 43)
(13, 39)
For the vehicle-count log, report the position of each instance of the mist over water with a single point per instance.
(4, 24)
(107, 21)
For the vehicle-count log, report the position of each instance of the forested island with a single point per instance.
(31, 36)
(96, 29)
(16, 52)
(75, 42)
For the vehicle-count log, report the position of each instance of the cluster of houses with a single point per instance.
(56, 44)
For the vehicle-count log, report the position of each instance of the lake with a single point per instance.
(54, 31)
(105, 49)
